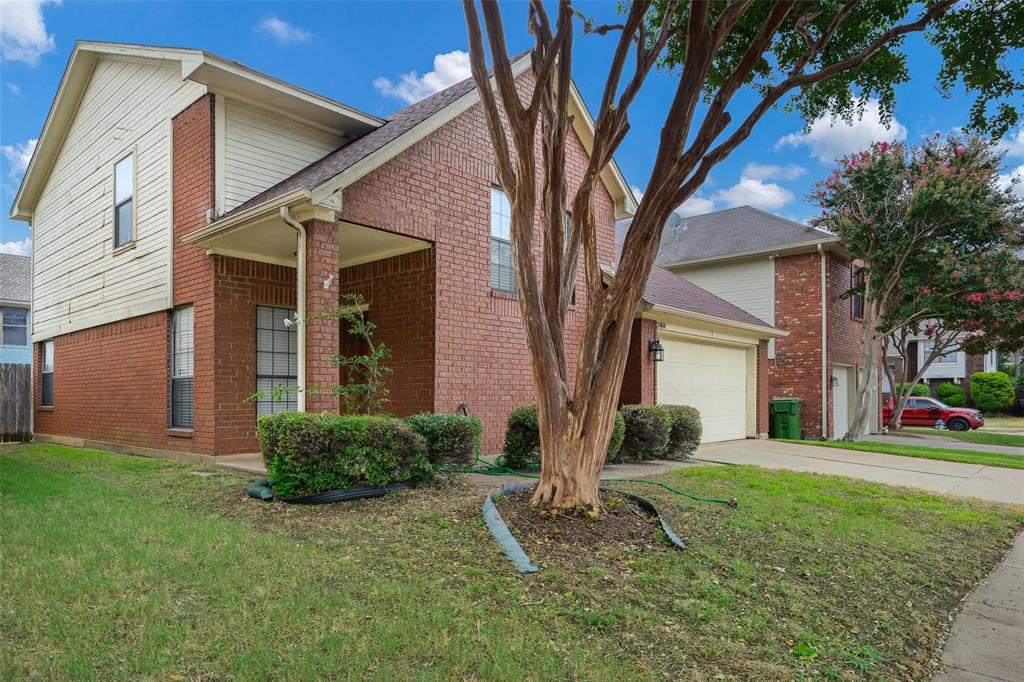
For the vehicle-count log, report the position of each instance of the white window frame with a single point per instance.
(501, 236)
(131, 197)
(948, 358)
(46, 368)
(182, 373)
(3, 323)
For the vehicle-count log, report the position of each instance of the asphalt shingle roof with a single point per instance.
(15, 278)
(735, 230)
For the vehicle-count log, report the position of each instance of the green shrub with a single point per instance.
(991, 391)
(522, 438)
(450, 439)
(309, 453)
(951, 394)
(647, 432)
(920, 390)
(684, 436)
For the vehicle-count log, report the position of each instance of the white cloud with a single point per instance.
(757, 193)
(449, 69)
(18, 155)
(764, 171)
(696, 205)
(14, 88)
(1015, 179)
(19, 248)
(638, 193)
(23, 36)
(830, 138)
(283, 32)
(1014, 145)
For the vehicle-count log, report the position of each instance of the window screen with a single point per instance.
(857, 300)
(182, 358)
(46, 396)
(503, 276)
(15, 327)
(124, 192)
(946, 358)
(277, 360)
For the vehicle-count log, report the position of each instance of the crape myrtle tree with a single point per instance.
(935, 235)
(814, 58)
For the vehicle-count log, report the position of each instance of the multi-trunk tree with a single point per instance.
(935, 237)
(815, 58)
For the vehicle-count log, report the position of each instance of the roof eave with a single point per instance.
(653, 310)
(225, 225)
(831, 243)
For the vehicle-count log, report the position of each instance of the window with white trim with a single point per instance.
(503, 274)
(124, 201)
(182, 361)
(46, 392)
(946, 358)
(277, 361)
(14, 330)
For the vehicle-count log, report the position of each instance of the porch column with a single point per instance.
(322, 336)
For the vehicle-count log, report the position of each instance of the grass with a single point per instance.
(995, 459)
(1000, 422)
(126, 568)
(980, 437)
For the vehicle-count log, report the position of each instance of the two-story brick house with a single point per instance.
(184, 206)
(794, 277)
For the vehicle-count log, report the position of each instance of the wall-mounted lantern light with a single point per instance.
(656, 350)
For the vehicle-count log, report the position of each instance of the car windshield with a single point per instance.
(940, 403)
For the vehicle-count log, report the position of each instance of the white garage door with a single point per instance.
(711, 378)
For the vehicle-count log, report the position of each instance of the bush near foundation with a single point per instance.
(920, 390)
(311, 453)
(991, 391)
(648, 428)
(684, 436)
(522, 438)
(451, 439)
(951, 394)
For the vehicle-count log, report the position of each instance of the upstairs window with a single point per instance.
(857, 298)
(46, 394)
(948, 357)
(503, 274)
(14, 331)
(124, 201)
(182, 359)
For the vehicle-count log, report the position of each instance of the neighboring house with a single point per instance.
(955, 366)
(15, 309)
(184, 206)
(793, 277)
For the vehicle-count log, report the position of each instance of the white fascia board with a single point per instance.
(666, 313)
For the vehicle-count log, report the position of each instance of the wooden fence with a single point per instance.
(15, 402)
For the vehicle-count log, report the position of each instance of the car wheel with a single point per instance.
(959, 425)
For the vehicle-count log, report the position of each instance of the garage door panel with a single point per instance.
(711, 378)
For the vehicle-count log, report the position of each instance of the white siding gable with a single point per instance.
(259, 148)
(79, 281)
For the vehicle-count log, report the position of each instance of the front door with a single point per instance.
(840, 401)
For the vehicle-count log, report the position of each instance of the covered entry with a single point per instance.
(715, 378)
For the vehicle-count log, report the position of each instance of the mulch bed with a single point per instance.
(619, 533)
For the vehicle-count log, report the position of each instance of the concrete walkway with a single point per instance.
(987, 638)
(995, 484)
(923, 440)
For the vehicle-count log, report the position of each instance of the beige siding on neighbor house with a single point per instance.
(261, 148)
(78, 281)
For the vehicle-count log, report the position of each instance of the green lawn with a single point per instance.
(995, 459)
(982, 437)
(116, 567)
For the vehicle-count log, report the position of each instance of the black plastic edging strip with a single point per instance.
(650, 508)
(347, 494)
(501, 533)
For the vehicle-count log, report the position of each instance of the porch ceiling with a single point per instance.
(271, 240)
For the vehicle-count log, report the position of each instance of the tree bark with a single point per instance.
(867, 379)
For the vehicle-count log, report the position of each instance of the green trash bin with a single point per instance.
(785, 417)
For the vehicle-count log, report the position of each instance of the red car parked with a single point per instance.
(928, 411)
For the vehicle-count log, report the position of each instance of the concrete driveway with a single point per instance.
(995, 484)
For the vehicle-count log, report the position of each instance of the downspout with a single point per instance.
(825, 383)
(301, 286)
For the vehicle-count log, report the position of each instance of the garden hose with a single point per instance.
(488, 469)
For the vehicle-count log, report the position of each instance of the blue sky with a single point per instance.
(378, 56)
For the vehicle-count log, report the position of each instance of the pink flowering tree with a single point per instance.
(935, 237)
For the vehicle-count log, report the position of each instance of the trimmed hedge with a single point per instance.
(684, 436)
(920, 390)
(522, 438)
(310, 453)
(451, 439)
(991, 391)
(648, 428)
(951, 394)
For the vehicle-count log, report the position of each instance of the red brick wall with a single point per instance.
(639, 384)
(439, 190)
(401, 294)
(323, 337)
(763, 388)
(844, 332)
(796, 371)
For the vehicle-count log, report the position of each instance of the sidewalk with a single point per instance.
(995, 484)
(921, 440)
(987, 639)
